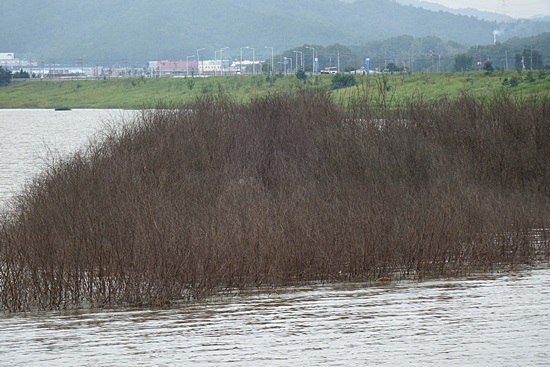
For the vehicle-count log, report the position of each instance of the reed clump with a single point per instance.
(186, 201)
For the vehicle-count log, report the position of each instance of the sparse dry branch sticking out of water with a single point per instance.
(190, 200)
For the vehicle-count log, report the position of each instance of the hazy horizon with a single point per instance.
(512, 8)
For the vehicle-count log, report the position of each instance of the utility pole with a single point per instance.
(81, 63)
(301, 59)
(253, 60)
(313, 61)
(271, 58)
(199, 65)
(506, 58)
(125, 64)
(187, 65)
(216, 62)
(241, 61)
(478, 58)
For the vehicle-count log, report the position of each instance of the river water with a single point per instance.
(30, 138)
(484, 320)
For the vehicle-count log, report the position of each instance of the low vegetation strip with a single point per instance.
(394, 89)
(189, 200)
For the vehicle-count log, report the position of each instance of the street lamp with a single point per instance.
(301, 59)
(312, 61)
(221, 59)
(253, 60)
(271, 57)
(241, 61)
(216, 62)
(285, 64)
(199, 59)
(187, 65)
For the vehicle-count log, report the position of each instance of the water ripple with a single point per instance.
(500, 321)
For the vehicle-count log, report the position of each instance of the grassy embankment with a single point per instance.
(216, 194)
(136, 93)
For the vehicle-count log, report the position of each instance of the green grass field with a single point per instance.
(132, 93)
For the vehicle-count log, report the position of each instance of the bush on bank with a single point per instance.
(186, 201)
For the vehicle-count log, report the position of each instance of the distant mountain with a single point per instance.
(541, 18)
(135, 31)
(470, 12)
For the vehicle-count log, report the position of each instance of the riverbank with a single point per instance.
(136, 93)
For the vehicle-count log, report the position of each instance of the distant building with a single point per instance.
(172, 67)
(245, 66)
(210, 66)
(202, 67)
(5, 56)
(9, 61)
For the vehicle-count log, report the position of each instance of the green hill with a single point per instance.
(132, 32)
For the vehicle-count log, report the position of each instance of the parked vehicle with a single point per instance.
(330, 70)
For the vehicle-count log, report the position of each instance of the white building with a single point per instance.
(245, 66)
(211, 66)
(8, 60)
(5, 56)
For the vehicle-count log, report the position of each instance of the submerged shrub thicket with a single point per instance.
(214, 195)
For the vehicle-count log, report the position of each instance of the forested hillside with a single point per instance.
(102, 31)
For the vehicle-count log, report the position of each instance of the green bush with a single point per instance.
(343, 81)
(21, 74)
(5, 76)
(301, 75)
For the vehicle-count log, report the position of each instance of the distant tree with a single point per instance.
(393, 68)
(21, 74)
(463, 62)
(5, 76)
(532, 59)
(301, 75)
(488, 67)
(529, 77)
(343, 81)
(514, 82)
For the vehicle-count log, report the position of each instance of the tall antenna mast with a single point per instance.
(503, 9)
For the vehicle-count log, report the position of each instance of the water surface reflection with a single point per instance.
(29, 138)
(499, 321)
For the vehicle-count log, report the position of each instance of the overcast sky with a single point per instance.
(513, 8)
